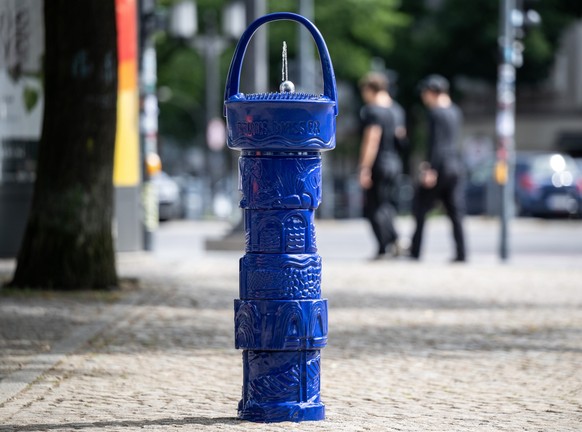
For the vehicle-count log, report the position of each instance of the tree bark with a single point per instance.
(68, 242)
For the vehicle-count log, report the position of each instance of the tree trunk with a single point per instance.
(68, 242)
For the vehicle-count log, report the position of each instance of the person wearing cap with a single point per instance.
(380, 165)
(440, 173)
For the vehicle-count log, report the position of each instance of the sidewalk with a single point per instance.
(424, 346)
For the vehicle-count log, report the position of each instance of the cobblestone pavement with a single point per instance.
(412, 347)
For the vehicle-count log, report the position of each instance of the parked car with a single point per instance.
(548, 185)
(168, 192)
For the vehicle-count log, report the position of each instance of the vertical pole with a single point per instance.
(255, 75)
(212, 45)
(149, 141)
(505, 122)
(133, 191)
(306, 54)
(307, 84)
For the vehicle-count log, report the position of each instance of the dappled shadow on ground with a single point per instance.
(33, 321)
(409, 325)
(170, 422)
(188, 316)
(420, 340)
(31, 326)
(349, 300)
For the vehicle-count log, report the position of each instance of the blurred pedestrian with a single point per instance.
(380, 164)
(440, 174)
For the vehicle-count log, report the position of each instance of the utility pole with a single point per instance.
(148, 128)
(505, 121)
(515, 17)
(255, 76)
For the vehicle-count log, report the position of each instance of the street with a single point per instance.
(532, 241)
(413, 346)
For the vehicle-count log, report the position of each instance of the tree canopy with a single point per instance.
(460, 38)
(347, 27)
(413, 37)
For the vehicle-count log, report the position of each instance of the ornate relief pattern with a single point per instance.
(278, 276)
(280, 319)
(277, 387)
(280, 231)
(281, 324)
(280, 182)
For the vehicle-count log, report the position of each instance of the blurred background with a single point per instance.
(184, 51)
(405, 39)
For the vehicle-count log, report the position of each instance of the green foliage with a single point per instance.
(461, 38)
(457, 38)
(357, 31)
(181, 75)
(181, 70)
(353, 34)
(541, 42)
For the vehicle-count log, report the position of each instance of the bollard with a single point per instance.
(280, 318)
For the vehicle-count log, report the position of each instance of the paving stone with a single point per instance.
(412, 347)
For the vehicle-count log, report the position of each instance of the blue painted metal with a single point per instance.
(280, 318)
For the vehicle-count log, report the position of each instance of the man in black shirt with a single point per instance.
(380, 165)
(441, 172)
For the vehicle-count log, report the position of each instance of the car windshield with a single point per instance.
(543, 167)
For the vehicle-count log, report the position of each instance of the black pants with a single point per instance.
(450, 192)
(380, 210)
